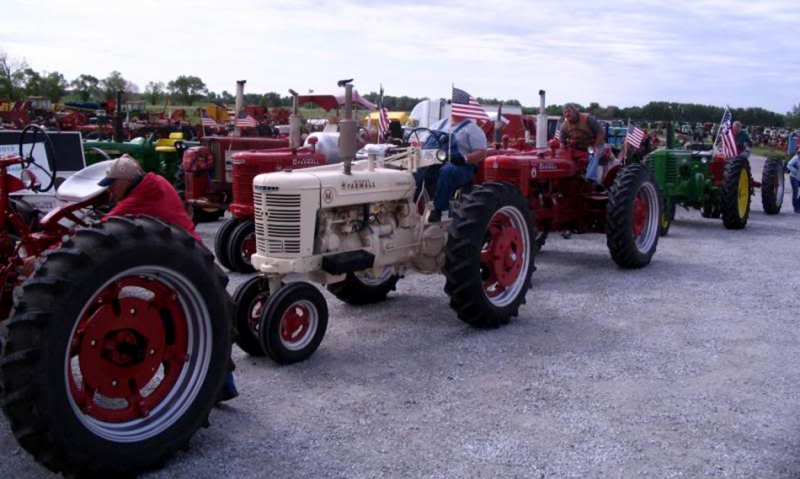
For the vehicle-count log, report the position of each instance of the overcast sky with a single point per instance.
(614, 52)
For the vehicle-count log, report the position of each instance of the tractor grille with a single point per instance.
(511, 175)
(671, 169)
(243, 175)
(277, 223)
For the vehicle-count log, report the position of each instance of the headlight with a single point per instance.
(441, 155)
(28, 179)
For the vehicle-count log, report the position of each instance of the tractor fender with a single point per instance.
(612, 173)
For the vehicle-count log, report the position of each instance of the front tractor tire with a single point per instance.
(633, 217)
(489, 255)
(250, 299)
(772, 186)
(117, 349)
(359, 289)
(293, 322)
(221, 241)
(241, 246)
(736, 188)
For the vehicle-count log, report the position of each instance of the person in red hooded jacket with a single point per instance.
(137, 193)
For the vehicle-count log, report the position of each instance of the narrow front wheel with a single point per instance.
(293, 323)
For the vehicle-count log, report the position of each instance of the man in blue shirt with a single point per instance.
(467, 148)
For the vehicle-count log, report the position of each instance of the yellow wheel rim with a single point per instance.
(744, 193)
(664, 220)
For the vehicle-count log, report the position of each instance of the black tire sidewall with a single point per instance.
(237, 238)
(221, 241)
(273, 313)
(243, 299)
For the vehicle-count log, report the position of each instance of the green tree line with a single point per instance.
(19, 81)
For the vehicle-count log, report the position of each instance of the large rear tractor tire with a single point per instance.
(772, 186)
(736, 188)
(633, 216)
(117, 349)
(221, 242)
(489, 255)
(359, 289)
(293, 323)
(241, 246)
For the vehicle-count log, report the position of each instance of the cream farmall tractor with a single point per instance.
(355, 227)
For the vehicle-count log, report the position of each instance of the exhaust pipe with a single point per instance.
(541, 124)
(498, 126)
(348, 128)
(239, 105)
(294, 121)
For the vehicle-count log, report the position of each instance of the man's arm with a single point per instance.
(478, 144)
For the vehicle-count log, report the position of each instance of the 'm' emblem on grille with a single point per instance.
(327, 195)
(533, 172)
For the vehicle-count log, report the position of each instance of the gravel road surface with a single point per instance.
(686, 368)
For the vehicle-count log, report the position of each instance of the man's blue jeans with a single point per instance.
(450, 178)
(795, 192)
(594, 163)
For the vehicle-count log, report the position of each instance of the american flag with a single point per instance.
(383, 117)
(466, 106)
(245, 121)
(557, 136)
(207, 120)
(725, 131)
(635, 136)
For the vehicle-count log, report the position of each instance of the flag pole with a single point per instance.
(625, 146)
(450, 121)
(719, 130)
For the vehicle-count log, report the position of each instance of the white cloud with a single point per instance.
(616, 52)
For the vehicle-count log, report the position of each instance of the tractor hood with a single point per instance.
(338, 189)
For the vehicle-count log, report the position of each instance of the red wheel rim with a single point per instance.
(296, 323)
(248, 246)
(254, 312)
(640, 212)
(127, 352)
(503, 256)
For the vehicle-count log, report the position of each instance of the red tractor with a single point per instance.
(23, 233)
(209, 172)
(564, 201)
(235, 241)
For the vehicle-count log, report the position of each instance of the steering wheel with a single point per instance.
(441, 141)
(50, 152)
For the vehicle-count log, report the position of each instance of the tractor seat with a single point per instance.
(167, 145)
(83, 184)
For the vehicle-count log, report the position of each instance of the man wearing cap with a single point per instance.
(137, 193)
(579, 131)
(743, 140)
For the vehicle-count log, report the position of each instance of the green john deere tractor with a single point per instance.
(716, 186)
(162, 156)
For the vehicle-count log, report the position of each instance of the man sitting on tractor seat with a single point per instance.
(137, 193)
(466, 149)
(579, 131)
(743, 141)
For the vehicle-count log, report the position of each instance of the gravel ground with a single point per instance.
(686, 368)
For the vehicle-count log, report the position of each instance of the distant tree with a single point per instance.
(793, 117)
(114, 83)
(54, 86)
(226, 97)
(12, 78)
(153, 92)
(187, 89)
(87, 86)
(33, 81)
